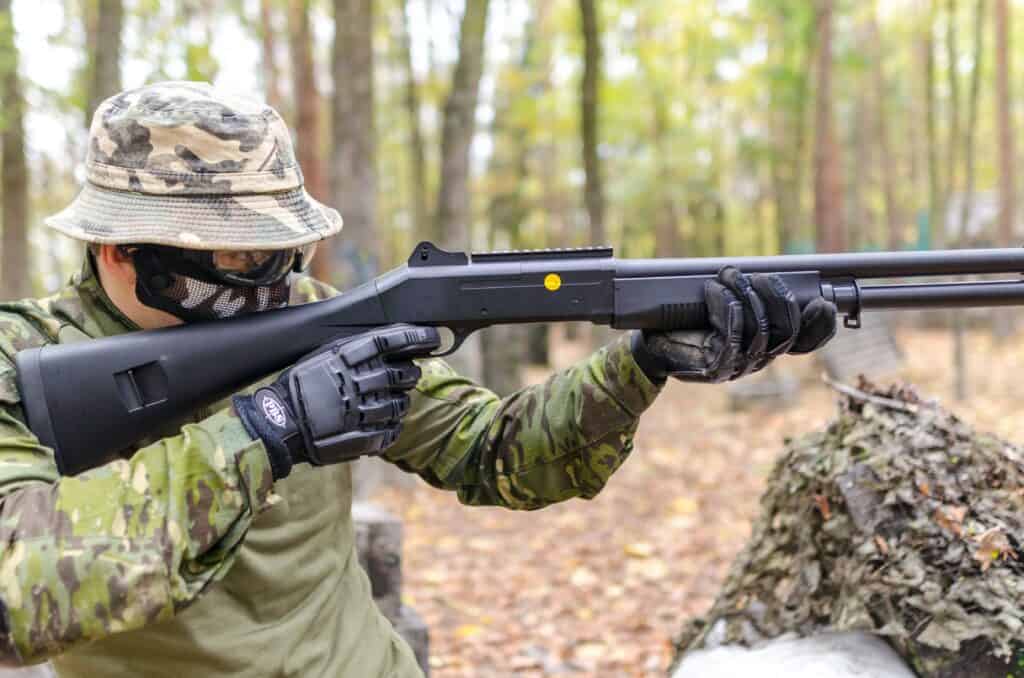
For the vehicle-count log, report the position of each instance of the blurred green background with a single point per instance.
(663, 128)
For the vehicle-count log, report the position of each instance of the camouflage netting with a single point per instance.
(896, 519)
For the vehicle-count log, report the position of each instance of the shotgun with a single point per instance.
(92, 401)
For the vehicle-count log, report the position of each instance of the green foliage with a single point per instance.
(706, 113)
(199, 62)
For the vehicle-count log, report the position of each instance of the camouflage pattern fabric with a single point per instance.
(182, 560)
(182, 164)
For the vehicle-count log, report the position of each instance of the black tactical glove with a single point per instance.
(754, 319)
(343, 401)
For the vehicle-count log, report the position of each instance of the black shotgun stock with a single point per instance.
(93, 400)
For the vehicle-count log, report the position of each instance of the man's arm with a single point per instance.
(544, 444)
(565, 437)
(122, 545)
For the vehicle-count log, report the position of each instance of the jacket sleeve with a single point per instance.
(541, 445)
(122, 545)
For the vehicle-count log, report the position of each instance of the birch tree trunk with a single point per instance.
(15, 279)
(354, 153)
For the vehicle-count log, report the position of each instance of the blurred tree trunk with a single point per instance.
(505, 346)
(421, 223)
(354, 153)
(271, 69)
(959, 318)
(15, 281)
(590, 107)
(861, 220)
(104, 22)
(1005, 321)
(667, 225)
(886, 159)
(932, 136)
(828, 182)
(953, 149)
(306, 102)
(545, 154)
(974, 94)
(1007, 180)
(454, 202)
(454, 209)
(787, 167)
(589, 116)
(912, 129)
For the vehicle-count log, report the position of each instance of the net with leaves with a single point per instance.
(897, 519)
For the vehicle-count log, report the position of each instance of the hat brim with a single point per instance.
(202, 222)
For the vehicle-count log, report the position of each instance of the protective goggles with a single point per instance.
(241, 268)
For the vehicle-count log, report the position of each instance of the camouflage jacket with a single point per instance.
(185, 559)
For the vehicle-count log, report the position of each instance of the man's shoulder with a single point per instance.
(25, 323)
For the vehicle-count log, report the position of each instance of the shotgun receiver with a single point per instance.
(93, 400)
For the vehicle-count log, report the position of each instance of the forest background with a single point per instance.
(677, 128)
(662, 128)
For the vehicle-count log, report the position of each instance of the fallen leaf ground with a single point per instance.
(599, 588)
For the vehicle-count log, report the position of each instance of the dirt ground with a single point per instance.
(599, 588)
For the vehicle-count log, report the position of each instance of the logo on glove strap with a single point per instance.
(274, 410)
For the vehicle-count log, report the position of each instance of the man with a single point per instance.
(217, 549)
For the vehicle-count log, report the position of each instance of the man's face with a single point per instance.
(172, 285)
(117, 276)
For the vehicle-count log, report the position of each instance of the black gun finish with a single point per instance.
(92, 401)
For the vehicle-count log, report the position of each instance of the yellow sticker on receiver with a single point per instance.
(552, 281)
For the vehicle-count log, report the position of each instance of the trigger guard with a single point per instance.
(458, 338)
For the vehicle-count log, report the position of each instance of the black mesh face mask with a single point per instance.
(190, 285)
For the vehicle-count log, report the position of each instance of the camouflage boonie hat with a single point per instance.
(182, 164)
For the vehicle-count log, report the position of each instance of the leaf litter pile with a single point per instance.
(897, 519)
(601, 588)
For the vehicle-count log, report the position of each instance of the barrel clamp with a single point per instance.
(845, 294)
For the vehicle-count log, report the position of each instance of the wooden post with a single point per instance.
(379, 546)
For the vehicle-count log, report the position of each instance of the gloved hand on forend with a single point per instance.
(754, 319)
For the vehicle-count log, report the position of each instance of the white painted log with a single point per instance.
(829, 655)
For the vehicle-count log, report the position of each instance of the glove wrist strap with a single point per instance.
(265, 416)
(649, 364)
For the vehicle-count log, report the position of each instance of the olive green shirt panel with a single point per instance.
(122, 545)
(543, 444)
